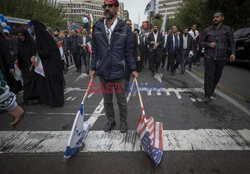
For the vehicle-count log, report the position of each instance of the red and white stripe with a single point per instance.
(154, 129)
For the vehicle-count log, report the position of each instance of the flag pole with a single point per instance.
(139, 93)
(87, 91)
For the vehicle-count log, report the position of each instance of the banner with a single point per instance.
(78, 134)
(163, 27)
(149, 7)
(39, 66)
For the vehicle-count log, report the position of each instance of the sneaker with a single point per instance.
(109, 126)
(123, 127)
(206, 99)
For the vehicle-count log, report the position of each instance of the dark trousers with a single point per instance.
(185, 59)
(77, 59)
(174, 57)
(213, 72)
(86, 60)
(119, 87)
(164, 57)
(155, 61)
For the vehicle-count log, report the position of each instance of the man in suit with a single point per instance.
(155, 42)
(187, 47)
(141, 41)
(174, 49)
(85, 54)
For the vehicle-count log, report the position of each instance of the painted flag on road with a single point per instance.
(89, 47)
(78, 134)
(59, 44)
(39, 66)
(18, 74)
(149, 8)
(150, 133)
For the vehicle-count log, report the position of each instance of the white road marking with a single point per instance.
(90, 95)
(193, 99)
(73, 99)
(68, 98)
(100, 141)
(71, 67)
(67, 90)
(81, 76)
(229, 99)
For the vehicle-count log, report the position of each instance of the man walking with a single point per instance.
(174, 49)
(218, 41)
(195, 35)
(74, 49)
(112, 51)
(187, 47)
(85, 54)
(155, 42)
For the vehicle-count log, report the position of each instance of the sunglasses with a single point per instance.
(108, 5)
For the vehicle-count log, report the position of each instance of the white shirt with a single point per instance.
(166, 39)
(84, 40)
(192, 34)
(110, 29)
(185, 41)
(155, 36)
(138, 38)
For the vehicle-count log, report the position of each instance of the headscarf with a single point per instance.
(114, 2)
(28, 43)
(46, 42)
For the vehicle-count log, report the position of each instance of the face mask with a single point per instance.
(155, 31)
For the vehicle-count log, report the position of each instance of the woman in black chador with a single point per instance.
(51, 86)
(26, 55)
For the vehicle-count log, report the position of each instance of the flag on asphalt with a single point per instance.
(18, 74)
(39, 66)
(149, 7)
(150, 133)
(89, 47)
(78, 134)
(59, 44)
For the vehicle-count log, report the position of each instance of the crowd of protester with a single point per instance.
(151, 49)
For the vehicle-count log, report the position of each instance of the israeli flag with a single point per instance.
(78, 134)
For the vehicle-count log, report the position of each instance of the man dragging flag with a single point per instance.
(150, 133)
(79, 130)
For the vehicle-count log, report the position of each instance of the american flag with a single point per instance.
(150, 133)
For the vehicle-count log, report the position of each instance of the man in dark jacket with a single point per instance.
(74, 49)
(187, 47)
(112, 51)
(217, 41)
(155, 42)
(85, 54)
(174, 49)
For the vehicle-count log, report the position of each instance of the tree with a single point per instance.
(48, 12)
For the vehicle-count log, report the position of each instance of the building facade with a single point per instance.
(169, 6)
(77, 9)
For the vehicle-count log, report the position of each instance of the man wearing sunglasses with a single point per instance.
(112, 52)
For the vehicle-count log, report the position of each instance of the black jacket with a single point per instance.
(159, 40)
(190, 42)
(110, 60)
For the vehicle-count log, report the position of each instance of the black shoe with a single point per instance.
(213, 95)
(109, 126)
(172, 74)
(153, 74)
(123, 127)
(206, 99)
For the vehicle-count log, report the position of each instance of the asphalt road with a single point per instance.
(197, 138)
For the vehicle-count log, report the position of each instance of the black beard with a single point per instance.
(216, 24)
(110, 15)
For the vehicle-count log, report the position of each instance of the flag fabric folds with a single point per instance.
(59, 44)
(78, 134)
(149, 8)
(39, 66)
(18, 74)
(150, 133)
(89, 47)
(163, 27)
